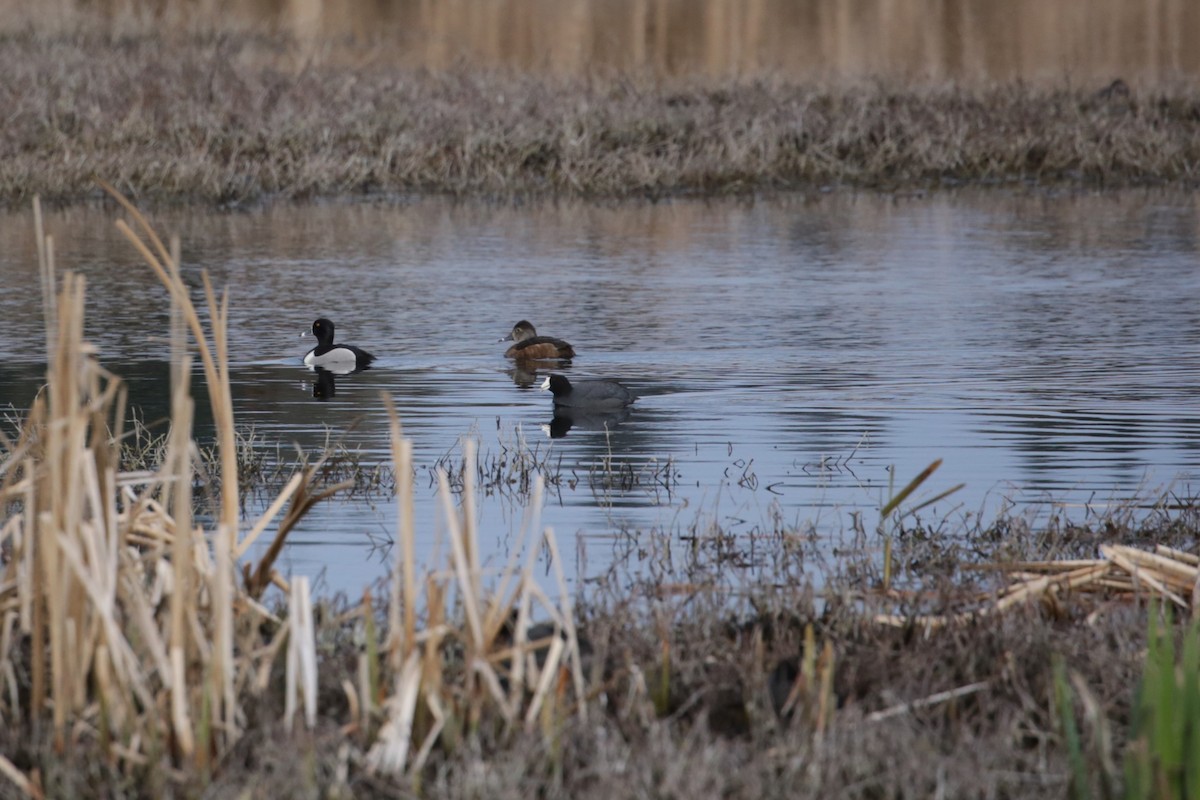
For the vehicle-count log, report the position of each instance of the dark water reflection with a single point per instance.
(565, 420)
(788, 353)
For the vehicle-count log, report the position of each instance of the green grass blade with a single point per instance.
(1065, 710)
(909, 489)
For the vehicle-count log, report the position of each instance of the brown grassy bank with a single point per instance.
(684, 701)
(236, 118)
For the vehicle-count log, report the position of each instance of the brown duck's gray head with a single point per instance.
(521, 331)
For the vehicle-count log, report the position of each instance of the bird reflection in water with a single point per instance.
(566, 419)
(324, 385)
(526, 376)
(523, 376)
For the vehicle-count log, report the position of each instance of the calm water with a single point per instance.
(790, 352)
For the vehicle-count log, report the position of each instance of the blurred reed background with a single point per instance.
(911, 40)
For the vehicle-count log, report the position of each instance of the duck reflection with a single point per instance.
(324, 384)
(525, 375)
(566, 419)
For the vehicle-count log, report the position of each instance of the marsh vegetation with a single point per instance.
(211, 120)
(144, 655)
(151, 645)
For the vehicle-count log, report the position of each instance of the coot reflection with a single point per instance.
(567, 418)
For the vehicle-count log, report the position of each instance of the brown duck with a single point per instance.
(528, 345)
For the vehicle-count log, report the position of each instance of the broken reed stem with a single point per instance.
(66, 445)
(290, 488)
(404, 496)
(179, 472)
(568, 620)
(33, 607)
(404, 575)
(925, 702)
(1123, 569)
(301, 673)
(466, 583)
(469, 523)
(45, 251)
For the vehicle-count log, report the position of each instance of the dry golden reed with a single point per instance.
(1166, 573)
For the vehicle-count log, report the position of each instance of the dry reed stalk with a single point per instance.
(1177, 555)
(97, 556)
(459, 561)
(440, 718)
(45, 251)
(63, 442)
(302, 501)
(272, 511)
(404, 588)
(214, 357)
(429, 688)
(301, 673)
(1027, 590)
(464, 547)
(1018, 567)
(23, 784)
(545, 681)
(1172, 570)
(567, 621)
(179, 466)
(368, 668)
(825, 700)
(1140, 575)
(354, 706)
(409, 666)
(522, 603)
(925, 702)
(389, 754)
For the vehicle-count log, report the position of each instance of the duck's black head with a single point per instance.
(323, 330)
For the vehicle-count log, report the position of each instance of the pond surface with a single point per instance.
(791, 353)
